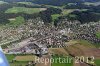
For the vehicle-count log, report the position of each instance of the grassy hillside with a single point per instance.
(21, 60)
(16, 21)
(97, 62)
(91, 3)
(26, 3)
(24, 10)
(98, 34)
(55, 16)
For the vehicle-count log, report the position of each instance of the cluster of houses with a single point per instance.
(85, 31)
(36, 37)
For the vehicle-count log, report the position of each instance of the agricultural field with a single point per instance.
(26, 3)
(83, 48)
(67, 11)
(25, 58)
(24, 10)
(16, 21)
(18, 64)
(97, 62)
(86, 43)
(90, 3)
(20, 59)
(78, 48)
(58, 51)
(64, 13)
(55, 16)
(98, 34)
(53, 6)
(10, 57)
(89, 44)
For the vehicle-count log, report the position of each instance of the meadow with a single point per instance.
(97, 62)
(24, 10)
(19, 59)
(16, 21)
(98, 34)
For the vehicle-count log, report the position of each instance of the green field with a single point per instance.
(21, 60)
(55, 16)
(26, 3)
(18, 64)
(53, 6)
(86, 43)
(16, 21)
(24, 10)
(61, 64)
(89, 44)
(64, 13)
(97, 62)
(10, 57)
(98, 34)
(67, 11)
(91, 3)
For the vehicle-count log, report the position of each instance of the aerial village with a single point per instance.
(34, 37)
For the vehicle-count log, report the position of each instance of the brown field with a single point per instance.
(59, 51)
(82, 48)
(74, 51)
(95, 53)
(25, 58)
(83, 64)
(72, 42)
(88, 51)
(79, 64)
